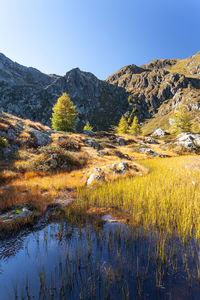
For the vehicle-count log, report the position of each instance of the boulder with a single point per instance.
(184, 136)
(92, 143)
(6, 153)
(188, 140)
(93, 178)
(150, 152)
(150, 140)
(120, 141)
(142, 143)
(42, 138)
(10, 134)
(120, 167)
(89, 133)
(159, 132)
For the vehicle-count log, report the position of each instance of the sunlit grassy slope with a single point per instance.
(187, 66)
(168, 197)
(155, 122)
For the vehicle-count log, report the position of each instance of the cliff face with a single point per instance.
(28, 93)
(156, 88)
(169, 82)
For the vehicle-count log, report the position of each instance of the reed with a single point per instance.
(166, 198)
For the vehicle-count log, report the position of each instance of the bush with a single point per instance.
(69, 144)
(3, 142)
(52, 158)
(87, 127)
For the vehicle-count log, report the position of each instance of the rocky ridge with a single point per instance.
(155, 89)
(28, 93)
(161, 86)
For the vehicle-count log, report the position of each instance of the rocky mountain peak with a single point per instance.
(28, 93)
(14, 73)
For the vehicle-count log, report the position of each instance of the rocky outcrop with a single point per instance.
(94, 178)
(159, 132)
(21, 133)
(188, 140)
(42, 138)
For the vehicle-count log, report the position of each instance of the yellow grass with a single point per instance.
(167, 198)
(4, 126)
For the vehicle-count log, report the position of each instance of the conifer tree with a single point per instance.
(122, 126)
(135, 127)
(64, 114)
(182, 121)
(87, 127)
(131, 117)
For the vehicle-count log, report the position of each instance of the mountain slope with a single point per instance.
(159, 87)
(28, 93)
(155, 89)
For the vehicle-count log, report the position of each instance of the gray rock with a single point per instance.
(120, 167)
(149, 152)
(120, 141)
(89, 133)
(14, 214)
(142, 143)
(159, 132)
(92, 143)
(41, 138)
(188, 140)
(108, 219)
(30, 94)
(151, 140)
(94, 178)
(7, 153)
(10, 134)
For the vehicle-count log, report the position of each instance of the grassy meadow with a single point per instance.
(168, 197)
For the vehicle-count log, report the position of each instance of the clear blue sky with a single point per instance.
(99, 36)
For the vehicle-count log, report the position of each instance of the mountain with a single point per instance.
(28, 93)
(155, 89)
(158, 88)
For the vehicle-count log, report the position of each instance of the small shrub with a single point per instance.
(69, 144)
(6, 176)
(3, 142)
(23, 154)
(88, 127)
(25, 140)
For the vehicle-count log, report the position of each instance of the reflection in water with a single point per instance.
(108, 262)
